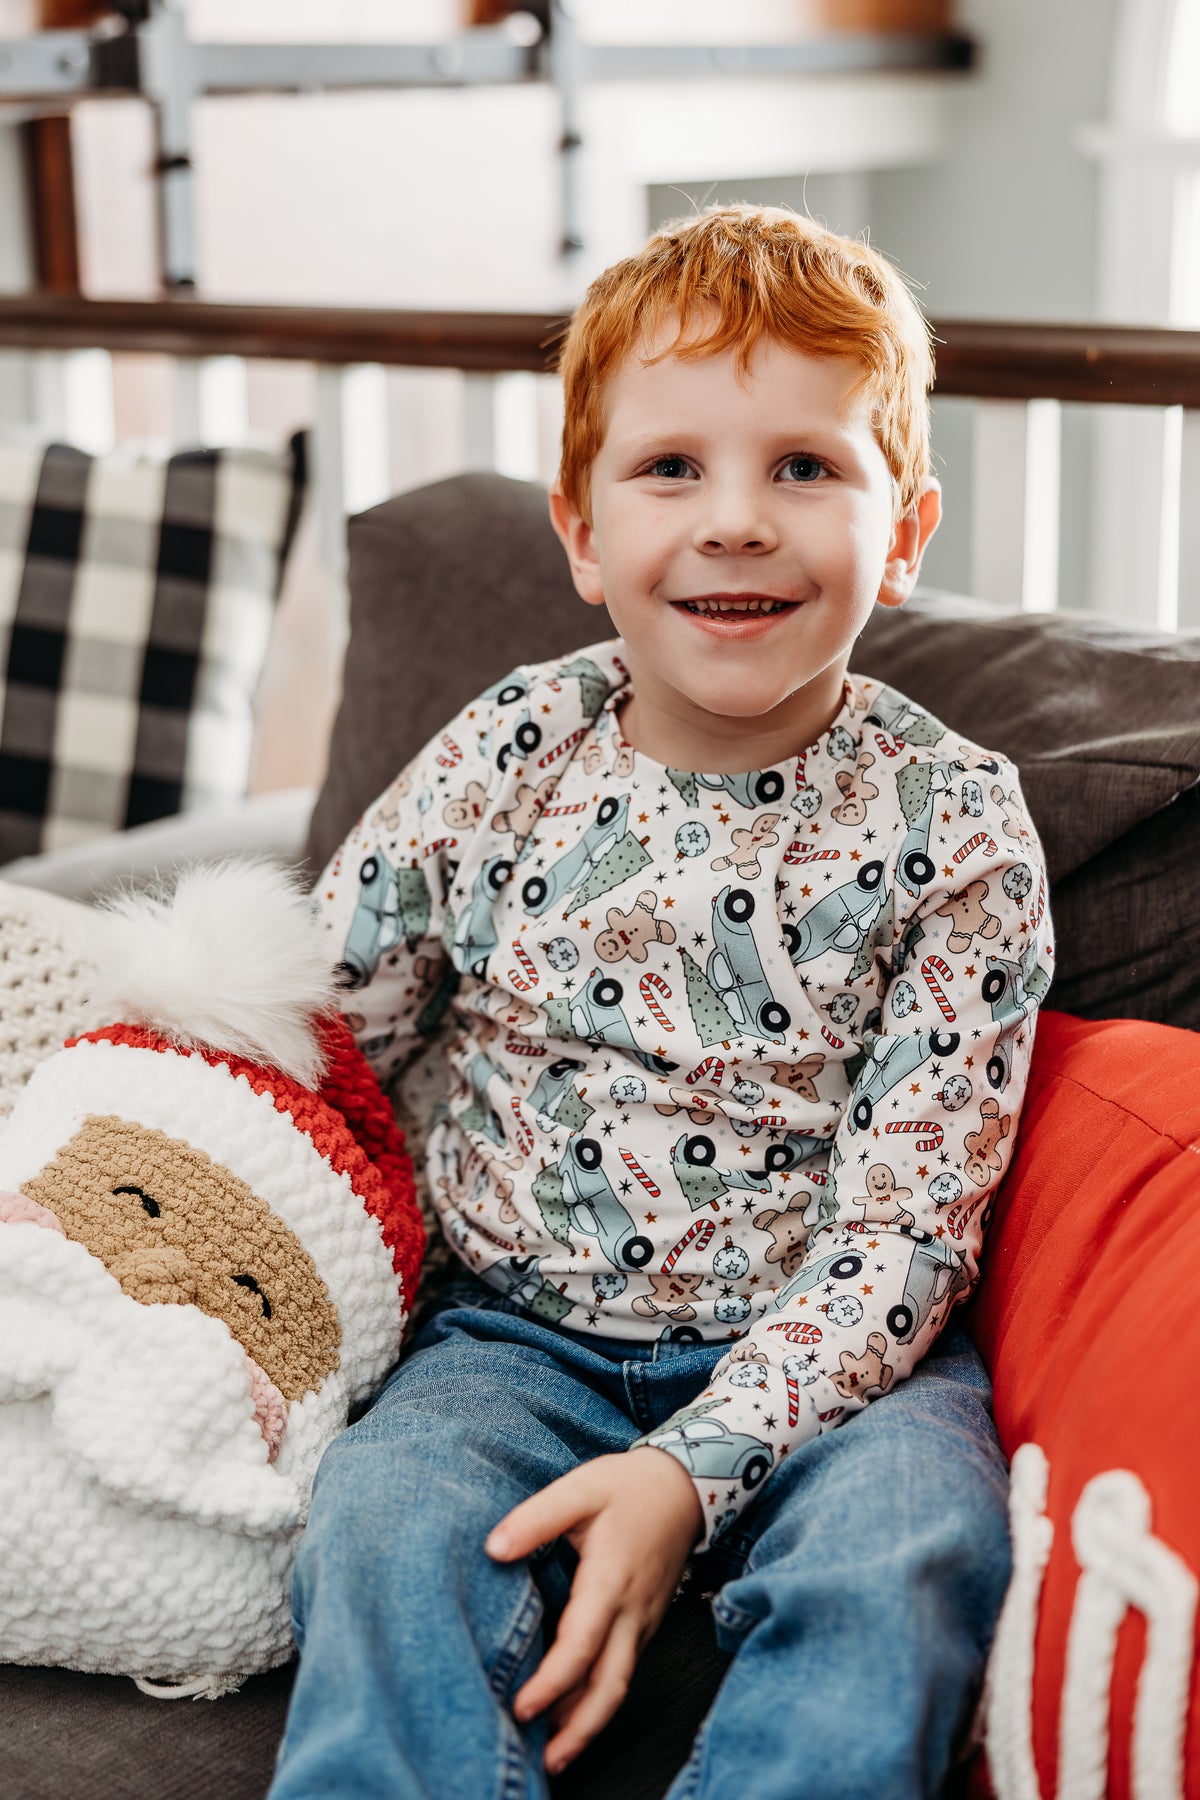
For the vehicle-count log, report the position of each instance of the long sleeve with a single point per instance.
(962, 962)
(386, 896)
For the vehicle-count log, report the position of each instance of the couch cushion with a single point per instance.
(450, 587)
(1102, 718)
(136, 598)
(1087, 1316)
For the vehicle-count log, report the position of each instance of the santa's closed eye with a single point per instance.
(248, 1281)
(148, 1201)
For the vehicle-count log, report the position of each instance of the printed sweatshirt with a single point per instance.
(735, 1056)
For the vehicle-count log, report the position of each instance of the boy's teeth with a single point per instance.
(734, 606)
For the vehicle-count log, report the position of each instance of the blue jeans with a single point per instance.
(862, 1583)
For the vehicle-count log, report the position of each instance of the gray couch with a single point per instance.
(453, 585)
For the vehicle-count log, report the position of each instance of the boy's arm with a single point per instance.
(384, 896)
(925, 1139)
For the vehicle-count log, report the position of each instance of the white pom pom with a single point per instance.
(230, 956)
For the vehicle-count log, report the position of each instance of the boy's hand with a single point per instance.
(633, 1518)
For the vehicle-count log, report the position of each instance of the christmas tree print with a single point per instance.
(556, 1216)
(913, 782)
(713, 1020)
(558, 1017)
(686, 784)
(880, 933)
(627, 857)
(573, 1110)
(699, 1185)
(412, 894)
(593, 689)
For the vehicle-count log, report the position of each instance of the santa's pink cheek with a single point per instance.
(19, 1209)
(270, 1408)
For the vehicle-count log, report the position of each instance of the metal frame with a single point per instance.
(156, 59)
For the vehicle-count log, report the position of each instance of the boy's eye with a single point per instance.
(669, 468)
(802, 468)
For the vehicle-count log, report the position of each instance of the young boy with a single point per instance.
(747, 953)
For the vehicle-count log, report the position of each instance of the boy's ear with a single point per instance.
(579, 541)
(912, 532)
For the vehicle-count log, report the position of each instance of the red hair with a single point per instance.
(728, 277)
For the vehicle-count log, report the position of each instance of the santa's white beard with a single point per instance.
(143, 1530)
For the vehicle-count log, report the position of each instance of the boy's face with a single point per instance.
(742, 530)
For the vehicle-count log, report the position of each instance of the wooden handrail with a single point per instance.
(1134, 365)
(484, 342)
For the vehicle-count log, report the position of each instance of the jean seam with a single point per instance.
(526, 1622)
(639, 1400)
(514, 1773)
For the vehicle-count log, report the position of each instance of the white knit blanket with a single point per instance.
(44, 975)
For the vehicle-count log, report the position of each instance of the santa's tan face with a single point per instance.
(173, 1226)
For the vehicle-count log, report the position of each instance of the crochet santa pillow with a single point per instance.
(209, 1242)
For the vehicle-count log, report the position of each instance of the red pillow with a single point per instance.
(1089, 1318)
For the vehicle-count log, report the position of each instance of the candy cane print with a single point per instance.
(698, 1234)
(564, 812)
(524, 1135)
(522, 956)
(453, 755)
(798, 1331)
(980, 840)
(635, 1168)
(793, 1368)
(832, 1038)
(1040, 906)
(888, 747)
(568, 743)
(516, 1046)
(711, 1069)
(812, 856)
(960, 1215)
(931, 969)
(925, 1145)
(769, 1119)
(648, 986)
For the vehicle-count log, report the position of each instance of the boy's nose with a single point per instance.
(734, 524)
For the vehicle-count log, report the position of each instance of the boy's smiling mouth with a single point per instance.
(731, 610)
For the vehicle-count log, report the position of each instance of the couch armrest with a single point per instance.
(270, 824)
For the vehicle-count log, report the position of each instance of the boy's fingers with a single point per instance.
(536, 1521)
(582, 1632)
(599, 1700)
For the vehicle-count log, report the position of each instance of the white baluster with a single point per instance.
(211, 401)
(479, 422)
(73, 397)
(350, 453)
(1015, 502)
(1187, 598)
(367, 474)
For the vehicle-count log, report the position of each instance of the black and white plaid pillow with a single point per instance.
(136, 600)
